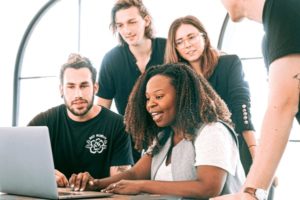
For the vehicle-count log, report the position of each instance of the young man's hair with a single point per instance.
(196, 103)
(76, 61)
(125, 4)
(210, 56)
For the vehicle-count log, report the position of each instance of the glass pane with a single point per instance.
(37, 95)
(14, 19)
(243, 38)
(95, 36)
(54, 37)
(210, 13)
(256, 75)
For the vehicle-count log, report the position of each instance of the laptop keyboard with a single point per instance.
(68, 193)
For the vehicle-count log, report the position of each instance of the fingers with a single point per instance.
(79, 182)
(112, 188)
(94, 184)
(238, 196)
(61, 179)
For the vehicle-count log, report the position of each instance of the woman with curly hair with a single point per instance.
(192, 149)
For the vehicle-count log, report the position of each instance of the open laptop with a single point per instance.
(26, 165)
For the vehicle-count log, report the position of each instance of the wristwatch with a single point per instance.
(259, 194)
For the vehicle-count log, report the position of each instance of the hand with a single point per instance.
(82, 181)
(61, 179)
(125, 187)
(237, 196)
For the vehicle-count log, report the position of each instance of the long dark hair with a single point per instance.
(196, 103)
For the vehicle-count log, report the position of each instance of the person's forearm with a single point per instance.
(283, 104)
(114, 170)
(275, 131)
(250, 140)
(104, 182)
(104, 102)
(191, 189)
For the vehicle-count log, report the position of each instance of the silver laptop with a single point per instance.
(26, 165)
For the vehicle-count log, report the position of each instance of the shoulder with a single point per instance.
(214, 127)
(118, 51)
(57, 110)
(159, 42)
(228, 62)
(229, 58)
(215, 131)
(111, 115)
(114, 58)
(51, 114)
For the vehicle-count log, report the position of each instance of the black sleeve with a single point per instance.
(282, 29)
(105, 79)
(122, 151)
(39, 120)
(239, 97)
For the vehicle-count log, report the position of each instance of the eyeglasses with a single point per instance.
(191, 39)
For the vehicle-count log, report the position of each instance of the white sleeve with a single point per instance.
(215, 146)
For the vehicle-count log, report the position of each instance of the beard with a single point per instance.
(81, 112)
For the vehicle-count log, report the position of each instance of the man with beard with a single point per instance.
(85, 138)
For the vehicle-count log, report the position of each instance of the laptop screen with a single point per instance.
(27, 165)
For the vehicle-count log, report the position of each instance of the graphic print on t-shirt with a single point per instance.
(96, 143)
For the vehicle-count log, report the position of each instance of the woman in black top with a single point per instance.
(188, 42)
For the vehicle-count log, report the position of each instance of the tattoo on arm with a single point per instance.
(297, 77)
(119, 169)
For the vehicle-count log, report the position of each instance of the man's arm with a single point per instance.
(284, 82)
(282, 107)
(104, 102)
(84, 181)
(118, 169)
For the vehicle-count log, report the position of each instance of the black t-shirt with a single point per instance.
(119, 72)
(281, 20)
(94, 145)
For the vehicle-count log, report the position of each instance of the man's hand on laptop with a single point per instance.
(61, 179)
(82, 181)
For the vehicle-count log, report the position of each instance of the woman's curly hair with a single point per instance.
(196, 103)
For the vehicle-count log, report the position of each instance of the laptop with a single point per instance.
(27, 168)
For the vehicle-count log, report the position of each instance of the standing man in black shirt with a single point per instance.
(138, 50)
(85, 138)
